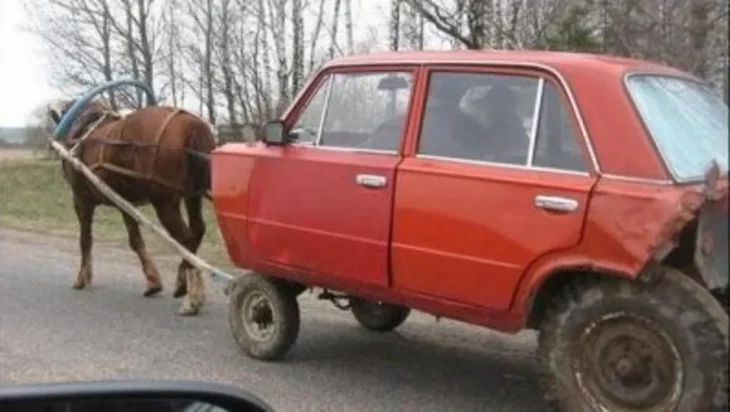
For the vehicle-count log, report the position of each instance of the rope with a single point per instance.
(77, 145)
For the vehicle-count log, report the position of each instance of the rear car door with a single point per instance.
(499, 179)
(323, 205)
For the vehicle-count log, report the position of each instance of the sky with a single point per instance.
(23, 78)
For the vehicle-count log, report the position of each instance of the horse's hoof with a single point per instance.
(187, 311)
(152, 291)
(180, 291)
(78, 285)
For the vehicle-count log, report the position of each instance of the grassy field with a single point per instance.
(7, 153)
(34, 196)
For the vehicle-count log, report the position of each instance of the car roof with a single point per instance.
(561, 61)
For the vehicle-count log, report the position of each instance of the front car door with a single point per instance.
(498, 178)
(323, 206)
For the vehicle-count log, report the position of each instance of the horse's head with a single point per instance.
(57, 109)
(89, 114)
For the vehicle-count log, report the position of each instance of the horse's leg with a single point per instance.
(194, 207)
(85, 213)
(136, 243)
(194, 279)
(168, 212)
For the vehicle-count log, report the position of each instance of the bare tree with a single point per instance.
(277, 26)
(315, 35)
(394, 24)
(333, 30)
(348, 27)
(200, 52)
(298, 45)
(225, 27)
(412, 27)
(78, 34)
(448, 19)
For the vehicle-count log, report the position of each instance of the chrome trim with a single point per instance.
(556, 203)
(353, 150)
(502, 165)
(497, 63)
(662, 182)
(331, 81)
(667, 166)
(535, 122)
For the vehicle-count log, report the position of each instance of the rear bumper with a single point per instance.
(711, 248)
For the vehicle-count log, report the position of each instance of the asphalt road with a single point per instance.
(49, 332)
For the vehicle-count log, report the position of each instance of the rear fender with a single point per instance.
(705, 212)
(691, 236)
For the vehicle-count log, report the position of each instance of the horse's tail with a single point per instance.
(200, 143)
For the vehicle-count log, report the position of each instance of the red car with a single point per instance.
(583, 196)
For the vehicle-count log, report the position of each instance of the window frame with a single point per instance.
(543, 78)
(326, 79)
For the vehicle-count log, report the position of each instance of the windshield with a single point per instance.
(688, 122)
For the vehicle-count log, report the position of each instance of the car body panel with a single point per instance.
(467, 232)
(295, 212)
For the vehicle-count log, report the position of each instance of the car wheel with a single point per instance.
(615, 345)
(263, 314)
(378, 316)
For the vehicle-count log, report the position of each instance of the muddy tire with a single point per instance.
(378, 316)
(263, 314)
(614, 345)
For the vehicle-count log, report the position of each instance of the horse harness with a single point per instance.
(105, 142)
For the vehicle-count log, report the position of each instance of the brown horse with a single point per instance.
(155, 155)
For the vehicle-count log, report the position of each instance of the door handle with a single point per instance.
(375, 181)
(556, 203)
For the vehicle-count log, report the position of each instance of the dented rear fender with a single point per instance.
(700, 226)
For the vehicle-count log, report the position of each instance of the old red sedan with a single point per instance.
(580, 195)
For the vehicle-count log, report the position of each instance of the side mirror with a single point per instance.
(275, 133)
(122, 396)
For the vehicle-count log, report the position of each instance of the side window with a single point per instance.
(474, 116)
(307, 126)
(557, 143)
(367, 110)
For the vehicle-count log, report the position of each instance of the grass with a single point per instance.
(34, 196)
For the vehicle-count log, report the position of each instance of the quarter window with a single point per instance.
(557, 143)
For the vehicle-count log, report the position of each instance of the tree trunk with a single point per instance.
(297, 46)
(335, 21)
(394, 24)
(348, 27)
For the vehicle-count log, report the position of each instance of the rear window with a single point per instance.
(688, 122)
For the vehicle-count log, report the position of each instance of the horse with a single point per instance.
(154, 155)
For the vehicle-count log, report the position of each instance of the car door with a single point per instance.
(498, 179)
(324, 205)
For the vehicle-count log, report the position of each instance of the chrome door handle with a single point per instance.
(556, 203)
(371, 180)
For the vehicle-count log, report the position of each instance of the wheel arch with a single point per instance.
(549, 276)
(551, 285)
